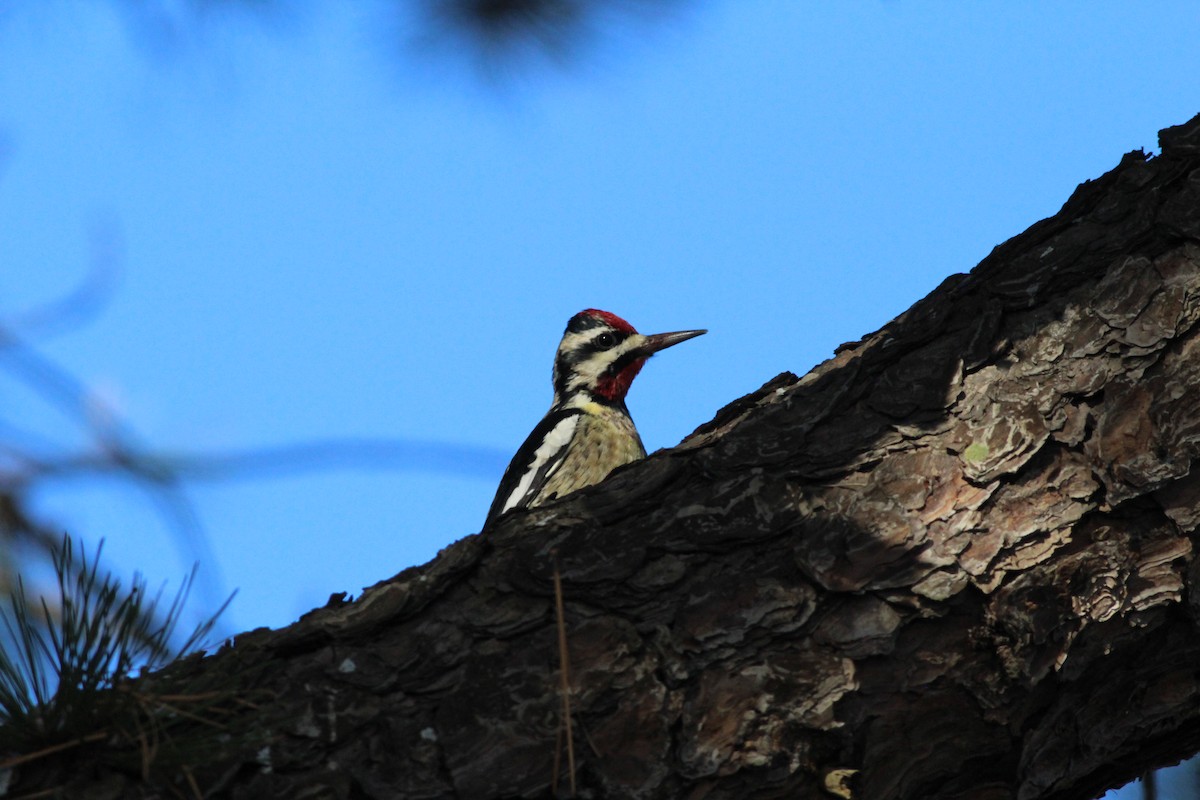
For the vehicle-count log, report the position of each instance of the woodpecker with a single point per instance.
(588, 431)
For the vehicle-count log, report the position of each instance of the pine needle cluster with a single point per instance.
(67, 665)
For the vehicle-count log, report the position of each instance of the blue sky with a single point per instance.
(328, 229)
(325, 234)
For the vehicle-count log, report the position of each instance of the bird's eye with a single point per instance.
(606, 340)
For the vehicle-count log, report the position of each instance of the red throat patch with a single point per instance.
(615, 387)
(615, 322)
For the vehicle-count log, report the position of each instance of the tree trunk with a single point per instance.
(953, 561)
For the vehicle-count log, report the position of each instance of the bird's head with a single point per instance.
(600, 354)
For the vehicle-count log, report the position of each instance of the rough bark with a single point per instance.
(954, 561)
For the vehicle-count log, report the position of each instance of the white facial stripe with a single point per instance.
(573, 341)
(588, 372)
(552, 446)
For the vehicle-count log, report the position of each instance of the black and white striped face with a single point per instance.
(601, 354)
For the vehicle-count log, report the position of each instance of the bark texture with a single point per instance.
(957, 560)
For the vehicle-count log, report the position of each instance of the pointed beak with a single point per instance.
(661, 341)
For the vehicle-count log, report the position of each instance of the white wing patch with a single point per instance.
(551, 448)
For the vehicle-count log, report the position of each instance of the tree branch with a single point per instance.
(954, 561)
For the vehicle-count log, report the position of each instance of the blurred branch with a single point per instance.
(496, 30)
(319, 455)
(112, 439)
(84, 302)
(502, 30)
(494, 24)
(114, 449)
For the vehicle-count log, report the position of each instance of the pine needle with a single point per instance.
(564, 673)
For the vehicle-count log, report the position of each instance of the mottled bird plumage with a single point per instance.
(588, 431)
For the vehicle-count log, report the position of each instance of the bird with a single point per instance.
(587, 433)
